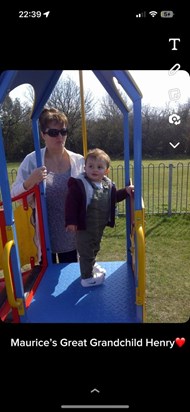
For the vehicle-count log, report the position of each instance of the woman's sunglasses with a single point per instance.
(55, 132)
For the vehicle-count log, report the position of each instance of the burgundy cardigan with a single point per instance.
(75, 205)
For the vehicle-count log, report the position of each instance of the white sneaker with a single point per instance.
(98, 269)
(95, 280)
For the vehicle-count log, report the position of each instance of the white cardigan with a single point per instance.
(28, 165)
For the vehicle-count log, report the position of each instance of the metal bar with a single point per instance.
(181, 200)
(84, 132)
(187, 186)
(170, 189)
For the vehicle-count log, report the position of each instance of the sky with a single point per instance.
(159, 88)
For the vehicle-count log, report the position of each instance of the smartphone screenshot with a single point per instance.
(95, 208)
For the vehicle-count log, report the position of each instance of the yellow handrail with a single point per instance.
(15, 303)
(84, 133)
(141, 265)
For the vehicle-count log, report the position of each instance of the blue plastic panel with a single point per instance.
(61, 298)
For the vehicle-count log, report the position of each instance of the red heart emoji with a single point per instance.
(180, 342)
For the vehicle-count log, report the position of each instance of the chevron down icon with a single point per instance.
(174, 145)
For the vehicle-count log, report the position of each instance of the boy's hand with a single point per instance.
(130, 190)
(71, 228)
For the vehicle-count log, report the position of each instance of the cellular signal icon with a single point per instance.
(143, 14)
(153, 13)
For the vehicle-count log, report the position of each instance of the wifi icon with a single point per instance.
(153, 13)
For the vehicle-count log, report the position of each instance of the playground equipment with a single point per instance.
(52, 292)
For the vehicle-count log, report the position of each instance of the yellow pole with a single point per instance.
(84, 133)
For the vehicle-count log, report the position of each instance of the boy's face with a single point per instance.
(95, 169)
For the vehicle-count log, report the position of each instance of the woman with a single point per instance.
(59, 164)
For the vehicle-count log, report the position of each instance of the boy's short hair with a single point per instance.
(98, 153)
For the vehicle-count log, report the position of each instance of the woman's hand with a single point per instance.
(37, 176)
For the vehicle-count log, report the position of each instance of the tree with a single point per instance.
(108, 129)
(108, 109)
(16, 128)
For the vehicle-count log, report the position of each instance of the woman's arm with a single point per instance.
(27, 176)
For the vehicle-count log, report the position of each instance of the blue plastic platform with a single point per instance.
(60, 298)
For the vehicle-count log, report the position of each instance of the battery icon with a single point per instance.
(167, 13)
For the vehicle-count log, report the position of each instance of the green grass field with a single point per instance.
(155, 184)
(167, 264)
